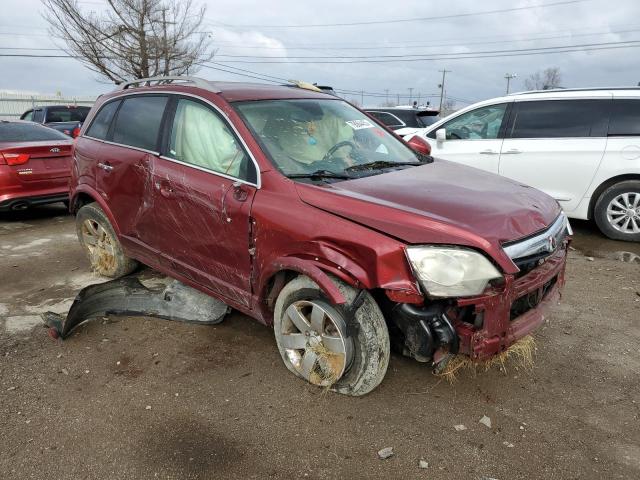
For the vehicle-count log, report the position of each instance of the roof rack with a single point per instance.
(169, 80)
(582, 89)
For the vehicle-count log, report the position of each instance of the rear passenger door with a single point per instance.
(623, 146)
(124, 165)
(204, 185)
(556, 146)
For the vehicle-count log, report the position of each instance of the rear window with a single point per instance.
(67, 114)
(100, 126)
(559, 118)
(28, 132)
(625, 118)
(387, 118)
(138, 121)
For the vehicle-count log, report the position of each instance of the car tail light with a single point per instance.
(15, 158)
(75, 132)
(420, 145)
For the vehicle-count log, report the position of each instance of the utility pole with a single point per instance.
(410, 94)
(509, 76)
(418, 99)
(386, 91)
(165, 47)
(361, 98)
(444, 74)
(398, 100)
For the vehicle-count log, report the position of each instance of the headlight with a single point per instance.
(451, 271)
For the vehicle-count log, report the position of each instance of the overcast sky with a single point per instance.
(238, 27)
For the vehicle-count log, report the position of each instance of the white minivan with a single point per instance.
(580, 146)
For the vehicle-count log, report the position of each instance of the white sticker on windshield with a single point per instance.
(359, 124)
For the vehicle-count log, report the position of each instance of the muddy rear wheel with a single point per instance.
(316, 345)
(101, 244)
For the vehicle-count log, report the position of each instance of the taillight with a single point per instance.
(15, 158)
(420, 145)
(75, 132)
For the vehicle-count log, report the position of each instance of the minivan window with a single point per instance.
(625, 118)
(200, 137)
(100, 125)
(480, 124)
(138, 121)
(559, 118)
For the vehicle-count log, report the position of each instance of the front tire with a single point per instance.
(617, 211)
(316, 345)
(101, 244)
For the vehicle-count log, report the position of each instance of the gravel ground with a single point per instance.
(140, 398)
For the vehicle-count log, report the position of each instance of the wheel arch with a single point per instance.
(606, 184)
(85, 195)
(284, 269)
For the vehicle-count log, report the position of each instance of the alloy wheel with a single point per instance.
(313, 337)
(100, 246)
(623, 212)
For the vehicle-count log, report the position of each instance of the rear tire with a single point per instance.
(100, 242)
(366, 351)
(617, 211)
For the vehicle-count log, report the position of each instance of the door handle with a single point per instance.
(488, 152)
(105, 166)
(513, 151)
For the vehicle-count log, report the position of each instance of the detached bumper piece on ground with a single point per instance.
(128, 297)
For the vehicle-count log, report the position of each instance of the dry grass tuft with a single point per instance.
(327, 368)
(521, 353)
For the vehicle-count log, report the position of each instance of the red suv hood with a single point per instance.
(441, 202)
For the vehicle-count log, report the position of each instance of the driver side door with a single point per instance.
(473, 138)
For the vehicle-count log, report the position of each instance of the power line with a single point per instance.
(415, 19)
(415, 58)
(434, 55)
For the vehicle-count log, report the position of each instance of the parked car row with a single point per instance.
(305, 213)
(582, 147)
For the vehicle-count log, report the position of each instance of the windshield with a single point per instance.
(305, 136)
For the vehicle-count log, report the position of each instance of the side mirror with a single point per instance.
(420, 145)
(441, 134)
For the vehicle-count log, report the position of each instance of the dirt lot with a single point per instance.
(141, 398)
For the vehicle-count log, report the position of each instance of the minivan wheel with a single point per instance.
(101, 244)
(617, 211)
(316, 345)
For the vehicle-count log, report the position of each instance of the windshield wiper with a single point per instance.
(379, 164)
(320, 174)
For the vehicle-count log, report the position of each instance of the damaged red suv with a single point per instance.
(301, 211)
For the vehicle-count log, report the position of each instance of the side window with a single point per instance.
(100, 125)
(138, 121)
(38, 115)
(27, 116)
(559, 119)
(625, 118)
(200, 137)
(480, 124)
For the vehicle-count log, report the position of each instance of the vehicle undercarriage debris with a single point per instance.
(127, 296)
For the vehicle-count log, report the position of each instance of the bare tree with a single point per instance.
(132, 38)
(544, 80)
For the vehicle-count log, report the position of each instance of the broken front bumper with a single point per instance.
(512, 311)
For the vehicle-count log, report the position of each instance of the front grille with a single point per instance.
(530, 252)
(531, 300)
